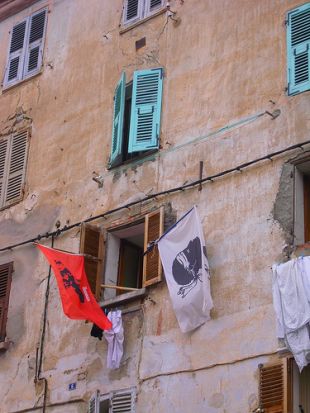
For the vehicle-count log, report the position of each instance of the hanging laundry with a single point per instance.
(291, 299)
(115, 339)
(77, 299)
(183, 254)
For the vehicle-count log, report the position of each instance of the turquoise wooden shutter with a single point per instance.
(298, 49)
(145, 110)
(118, 122)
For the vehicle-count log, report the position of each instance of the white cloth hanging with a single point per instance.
(291, 299)
(115, 339)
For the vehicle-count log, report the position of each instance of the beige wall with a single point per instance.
(224, 64)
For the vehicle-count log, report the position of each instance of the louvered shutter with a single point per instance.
(14, 69)
(3, 162)
(35, 42)
(18, 149)
(298, 49)
(133, 11)
(145, 110)
(271, 388)
(92, 245)
(5, 286)
(155, 5)
(93, 405)
(152, 269)
(123, 401)
(118, 122)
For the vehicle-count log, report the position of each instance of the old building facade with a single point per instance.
(110, 112)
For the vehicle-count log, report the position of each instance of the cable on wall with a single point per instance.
(193, 184)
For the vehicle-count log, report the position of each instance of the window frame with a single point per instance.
(24, 53)
(301, 204)
(116, 395)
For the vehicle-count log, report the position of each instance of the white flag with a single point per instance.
(183, 255)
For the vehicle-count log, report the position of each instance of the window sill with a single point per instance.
(123, 298)
(22, 81)
(130, 26)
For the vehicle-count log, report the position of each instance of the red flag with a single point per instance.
(77, 299)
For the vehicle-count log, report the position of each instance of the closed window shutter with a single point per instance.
(18, 146)
(133, 11)
(123, 401)
(145, 110)
(5, 286)
(35, 42)
(271, 388)
(298, 48)
(152, 269)
(92, 245)
(118, 122)
(3, 163)
(155, 4)
(14, 70)
(93, 405)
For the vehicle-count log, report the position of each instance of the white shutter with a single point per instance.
(35, 42)
(3, 163)
(133, 11)
(16, 167)
(93, 405)
(154, 5)
(123, 401)
(14, 69)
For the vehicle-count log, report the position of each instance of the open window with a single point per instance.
(137, 115)
(302, 202)
(114, 260)
(113, 402)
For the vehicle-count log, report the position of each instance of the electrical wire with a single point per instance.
(193, 184)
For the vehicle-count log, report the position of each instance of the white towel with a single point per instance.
(291, 299)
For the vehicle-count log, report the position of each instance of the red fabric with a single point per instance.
(77, 299)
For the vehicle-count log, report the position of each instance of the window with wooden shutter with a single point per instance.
(118, 122)
(26, 48)
(13, 161)
(14, 71)
(133, 11)
(273, 386)
(154, 5)
(123, 401)
(34, 52)
(152, 269)
(92, 245)
(16, 168)
(5, 286)
(298, 49)
(93, 405)
(145, 110)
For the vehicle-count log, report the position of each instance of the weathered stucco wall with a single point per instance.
(224, 65)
